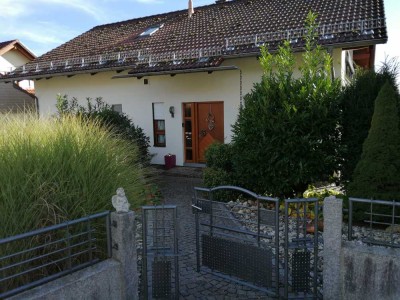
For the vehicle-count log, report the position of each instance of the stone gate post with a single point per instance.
(332, 247)
(123, 231)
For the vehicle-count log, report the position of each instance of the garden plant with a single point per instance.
(287, 134)
(55, 170)
(357, 102)
(103, 113)
(377, 174)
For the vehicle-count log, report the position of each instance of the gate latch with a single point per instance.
(196, 207)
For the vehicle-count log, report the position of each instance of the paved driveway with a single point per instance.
(177, 188)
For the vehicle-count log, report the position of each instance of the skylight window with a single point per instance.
(151, 30)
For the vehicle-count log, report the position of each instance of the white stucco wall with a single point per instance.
(15, 58)
(137, 98)
(5, 65)
(11, 60)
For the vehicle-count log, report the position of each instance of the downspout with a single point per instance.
(37, 105)
(241, 88)
(16, 86)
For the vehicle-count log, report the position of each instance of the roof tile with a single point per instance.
(215, 25)
(4, 44)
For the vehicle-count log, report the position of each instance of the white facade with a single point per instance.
(11, 60)
(137, 98)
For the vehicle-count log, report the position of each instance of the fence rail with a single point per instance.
(382, 218)
(234, 229)
(33, 258)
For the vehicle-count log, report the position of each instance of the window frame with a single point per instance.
(157, 131)
(149, 31)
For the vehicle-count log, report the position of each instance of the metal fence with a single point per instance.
(34, 258)
(238, 240)
(302, 275)
(252, 240)
(160, 252)
(381, 217)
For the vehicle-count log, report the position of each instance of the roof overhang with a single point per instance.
(343, 45)
(17, 45)
(251, 53)
(174, 72)
(359, 44)
(67, 73)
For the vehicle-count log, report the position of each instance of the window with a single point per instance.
(159, 124)
(151, 30)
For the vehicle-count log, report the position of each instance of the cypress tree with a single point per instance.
(357, 101)
(377, 174)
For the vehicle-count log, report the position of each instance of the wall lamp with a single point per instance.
(172, 111)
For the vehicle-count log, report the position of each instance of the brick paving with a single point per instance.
(177, 188)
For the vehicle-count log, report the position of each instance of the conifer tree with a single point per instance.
(357, 105)
(377, 174)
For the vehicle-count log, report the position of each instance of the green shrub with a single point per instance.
(103, 113)
(54, 171)
(219, 165)
(377, 174)
(357, 101)
(215, 177)
(219, 156)
(287, 133)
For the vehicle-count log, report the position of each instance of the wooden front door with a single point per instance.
(203, 124)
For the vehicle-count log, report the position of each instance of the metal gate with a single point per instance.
(238, 240)
(303, 271)
(248, 239)
(160, 252)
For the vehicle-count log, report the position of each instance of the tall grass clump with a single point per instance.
(104, 114)
(53, 170)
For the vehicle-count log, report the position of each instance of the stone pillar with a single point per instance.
(332, 247)
(124, 250)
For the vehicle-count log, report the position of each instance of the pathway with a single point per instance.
(177, 188)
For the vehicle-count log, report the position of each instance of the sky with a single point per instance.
(42, 25)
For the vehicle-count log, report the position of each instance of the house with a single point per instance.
(181, 75)
(15, 97)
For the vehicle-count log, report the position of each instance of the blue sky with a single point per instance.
(44, 24)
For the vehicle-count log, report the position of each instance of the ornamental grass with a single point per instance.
(53, 170)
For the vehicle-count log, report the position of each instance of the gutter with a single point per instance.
(348, 45)
(124, 68)
(173, 72)
(49, 75)
(16, 86)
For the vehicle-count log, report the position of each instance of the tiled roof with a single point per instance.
(220, 30)
(3, 44)
(16, 44)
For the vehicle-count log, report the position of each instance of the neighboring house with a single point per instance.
(181, 76)
(15, 97)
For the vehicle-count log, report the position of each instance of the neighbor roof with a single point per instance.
(16, 45)
(214, 32)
